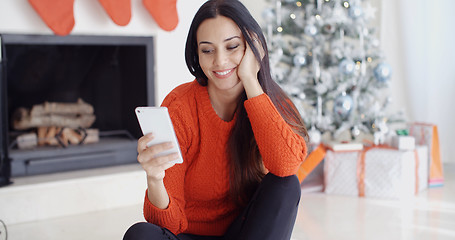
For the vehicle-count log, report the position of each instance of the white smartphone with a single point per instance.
(156, 120)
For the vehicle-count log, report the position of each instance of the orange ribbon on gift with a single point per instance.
(417, 170)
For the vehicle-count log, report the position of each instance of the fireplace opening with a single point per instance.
(112, 74)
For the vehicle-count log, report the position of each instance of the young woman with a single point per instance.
(241, 138)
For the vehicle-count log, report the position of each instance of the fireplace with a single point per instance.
(114, 74)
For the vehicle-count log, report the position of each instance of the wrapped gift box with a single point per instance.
(403, 142)
(382, 172)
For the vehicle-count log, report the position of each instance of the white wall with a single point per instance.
(418, 37)
(170, 48)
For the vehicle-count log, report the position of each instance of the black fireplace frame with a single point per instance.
(5, 39)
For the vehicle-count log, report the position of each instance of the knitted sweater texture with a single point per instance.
(199, 187)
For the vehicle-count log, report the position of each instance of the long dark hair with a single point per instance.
(246, 168)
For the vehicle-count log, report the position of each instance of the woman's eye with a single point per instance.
(206, 50)
(233, 47)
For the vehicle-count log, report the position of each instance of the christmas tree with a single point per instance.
(327, 58)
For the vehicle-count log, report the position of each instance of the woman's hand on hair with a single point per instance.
(248, 69)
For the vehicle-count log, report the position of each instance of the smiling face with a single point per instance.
(221, 47)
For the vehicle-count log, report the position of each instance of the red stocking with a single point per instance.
(57, 14)
(118, 10)
(164, 12)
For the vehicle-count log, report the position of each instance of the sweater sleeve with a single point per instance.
(173, 218)
(282, 150)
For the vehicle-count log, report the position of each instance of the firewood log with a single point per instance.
(69, 136)
(54, 108)
(27, 122)
(72, 115)
(54, 136)
(93, 136)
(27, 141)
(42, 133)
(50, 136)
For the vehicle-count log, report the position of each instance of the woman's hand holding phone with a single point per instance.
(154, 163)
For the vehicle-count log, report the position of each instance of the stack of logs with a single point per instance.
(56, 124)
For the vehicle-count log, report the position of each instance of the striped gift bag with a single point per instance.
(427, 134)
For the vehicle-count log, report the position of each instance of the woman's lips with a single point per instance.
(224, 73)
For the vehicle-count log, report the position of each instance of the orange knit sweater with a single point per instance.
(199, 188)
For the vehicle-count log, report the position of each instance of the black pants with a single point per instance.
(270, 214)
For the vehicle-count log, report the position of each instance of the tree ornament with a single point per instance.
(315, 136)
(381, 125)
(310, 30)
(118, 10)
(346, 66)
(378, 138)
(383, 72)
(299, 59)
(343, 106)
(369, 12)
(355, 12)
(328, 28)
(164, 12)
(58, 15)
(355, 132)
(321, 88)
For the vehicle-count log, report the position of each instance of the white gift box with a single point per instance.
(403, 142)
(387, 173)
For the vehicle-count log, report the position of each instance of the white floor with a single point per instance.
(431, 215)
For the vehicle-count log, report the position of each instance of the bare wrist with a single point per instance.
(252, 88)
(154, 181)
